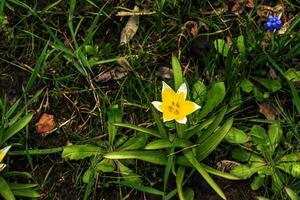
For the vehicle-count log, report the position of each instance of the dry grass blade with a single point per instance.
(130, 28)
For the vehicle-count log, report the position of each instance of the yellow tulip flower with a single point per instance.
(174, 104)
(3, 152)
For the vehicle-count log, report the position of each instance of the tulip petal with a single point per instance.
(157, 105)
(2, 166)
(168, 94)
(3, 152)
(182, 121)
(182, 89)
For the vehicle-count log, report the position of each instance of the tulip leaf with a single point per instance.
(211, 143)
(77, 152)
(199, 92)
(155, 157)
(292, 194)
(236, 136)
(165, 143)
(179, 181)
(142, 188)
(128, 175)
(159, 123)
(246, 171)
(15, 128)
(178, 79)
(141, 129)
(188, 193)
(5, 191)
(215, 96)
(134, 143)
(106, 165)
(221, 46)
(26, 192)
(114, 115)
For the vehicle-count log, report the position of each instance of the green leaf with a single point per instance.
(212, 127)
(141, 129)
(277, 180)
(134, 143)
(128, 175)
(106, 165)
(241, 44)
(275, 135)
(192, 159)
(221, 46)
(196, 129)
(245, 156)
(246, 171)
(292, 168)
(159, 123)
(142, 188)
(292, 157)
(155, 157)
(246, 85)
(199, 92)
(15, 128)
(260, 138)
(236, 136)
(211, 143)
(188, 193)
(271, 85)
(86, 176)
(77, 152)
(292, 74)
(215, 96)
(114, 115)
(17, 186)
(292, 194)
(165, 143)
(257, 182)
(26, 192)
(262, 198)
(5, 191)
(179, 181)
(178, 79)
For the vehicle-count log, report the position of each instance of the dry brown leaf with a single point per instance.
(264, 11)
(130, 28)
(165, 72)
(45, 124)
(132, 13)
(267, 110)
(226, 165)
(123, 62)
(273, 74)
(239, 6)
(115, 74)
(250, 4)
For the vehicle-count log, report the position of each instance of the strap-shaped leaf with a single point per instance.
(179, 181)
(5, 191)
(114, 115)
(142, 188)
(155, 157)
(77, 152)
(177, 72)
(141, 129)
(165, 143)
(292, 194)
(134, 143)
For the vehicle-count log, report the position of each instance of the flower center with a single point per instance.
(174, 108)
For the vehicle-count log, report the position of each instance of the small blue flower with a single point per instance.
(273, 23)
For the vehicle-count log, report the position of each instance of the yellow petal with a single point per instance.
(188, 107)
(167, 94)
(182, 121)
(2, 166)
(3, 152)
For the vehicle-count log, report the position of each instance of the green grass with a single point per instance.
(44, 63)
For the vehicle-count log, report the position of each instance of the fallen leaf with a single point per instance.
(239, 6)
(226, 165)
(273, 74)
(250, 4)
(264, 10)
(45, 124)
(130, 28)
(132, 13)
(165, 72)
(267, 110)
(123, 62)
(115, 74)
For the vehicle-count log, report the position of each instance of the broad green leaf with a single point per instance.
(215, 96)
(292, 157)
(128, 175)
(198, 166)
(211, 143)
(262, 198)
(106, 165)
(260, 138)
(257, 182)
(292, 75)
(199, 92)
(165, 143)
(212, 127)
(277, 180)
(141, 129)
(241, 44)
(196, 129)
(275, 135)
(142, 188)
(86, 176)
(271, 85)
(155, 157)
(292, 168)
(245, 156)
(177, 72)
(221, 46)
(15, 128)
(179, 181)
(246, 171)
(246, 85)
(115, 115)
(5, 191)
(292, 194)
(12, 109)
(16, 186)
(236, 136)
(26, 192)
(169, 165)
(77, 152)
(188, 193)
(236, 97)
(134, 143)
